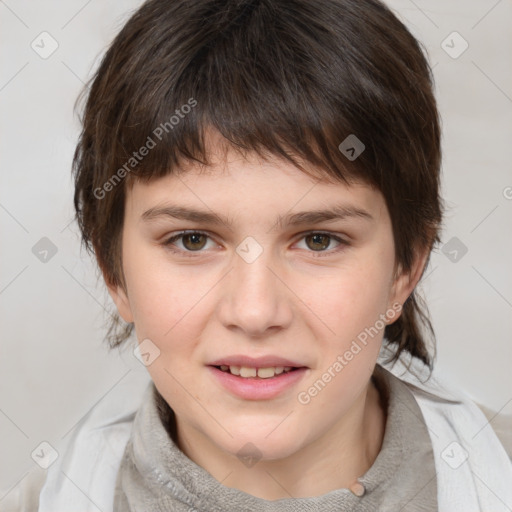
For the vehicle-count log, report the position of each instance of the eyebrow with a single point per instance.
(336, 212)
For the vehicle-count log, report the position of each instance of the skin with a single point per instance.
(293, 301)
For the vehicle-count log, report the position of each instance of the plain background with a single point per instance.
(54, 366)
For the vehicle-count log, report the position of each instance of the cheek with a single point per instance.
(350, 299)
(159, 295)
(351, 305)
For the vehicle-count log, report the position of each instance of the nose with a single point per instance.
(254, 299)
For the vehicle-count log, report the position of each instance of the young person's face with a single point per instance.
(252, 286)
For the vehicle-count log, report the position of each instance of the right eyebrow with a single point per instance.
(190, 214)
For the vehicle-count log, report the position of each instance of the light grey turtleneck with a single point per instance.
(156, 476)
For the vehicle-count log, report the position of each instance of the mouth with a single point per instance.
(251, 372)
(250, 381)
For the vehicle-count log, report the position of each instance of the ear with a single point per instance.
(405, 281)
(120, 298)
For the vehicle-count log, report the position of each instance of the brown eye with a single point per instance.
(318, 241)
(190, 243)
(194, 241)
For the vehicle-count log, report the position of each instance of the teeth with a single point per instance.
(262, 373)
(265, 373)
(247, 372)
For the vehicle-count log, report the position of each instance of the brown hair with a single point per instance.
(290, 78)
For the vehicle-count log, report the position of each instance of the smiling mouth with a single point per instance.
(247, 372)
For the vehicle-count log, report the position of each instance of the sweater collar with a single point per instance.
(155, 475)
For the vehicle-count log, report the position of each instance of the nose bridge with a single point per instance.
(255, 299)
(254, 280)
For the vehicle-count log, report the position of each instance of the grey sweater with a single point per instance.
(156, 476)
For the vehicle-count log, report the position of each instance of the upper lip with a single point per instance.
(255, 362)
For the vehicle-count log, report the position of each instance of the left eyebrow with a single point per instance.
(337, 212)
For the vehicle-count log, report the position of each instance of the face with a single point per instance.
(276, 269)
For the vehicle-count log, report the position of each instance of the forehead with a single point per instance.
(239, 184)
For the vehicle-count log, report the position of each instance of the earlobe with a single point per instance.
(120, 298)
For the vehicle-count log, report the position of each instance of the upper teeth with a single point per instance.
(263, 373)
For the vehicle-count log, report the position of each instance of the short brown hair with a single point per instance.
(290, 78)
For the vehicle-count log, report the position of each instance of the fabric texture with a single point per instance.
(155, 476)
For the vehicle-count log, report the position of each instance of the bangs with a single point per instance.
(262, 79)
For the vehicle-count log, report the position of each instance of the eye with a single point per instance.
(191, 241)
(319, 242)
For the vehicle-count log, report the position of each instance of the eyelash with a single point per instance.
(317, 254)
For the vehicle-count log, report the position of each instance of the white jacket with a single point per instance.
(473, 469)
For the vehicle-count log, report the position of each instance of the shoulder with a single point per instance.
(473, 467)
(85, 471)
(24, 496)
(502, 426)
(442, 403)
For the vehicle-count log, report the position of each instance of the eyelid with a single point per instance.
(177, 235)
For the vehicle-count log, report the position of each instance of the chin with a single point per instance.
(257, 445)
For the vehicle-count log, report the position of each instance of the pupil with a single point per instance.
(193, 241)
(318, 241)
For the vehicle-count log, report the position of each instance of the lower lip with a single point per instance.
(254, 388)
